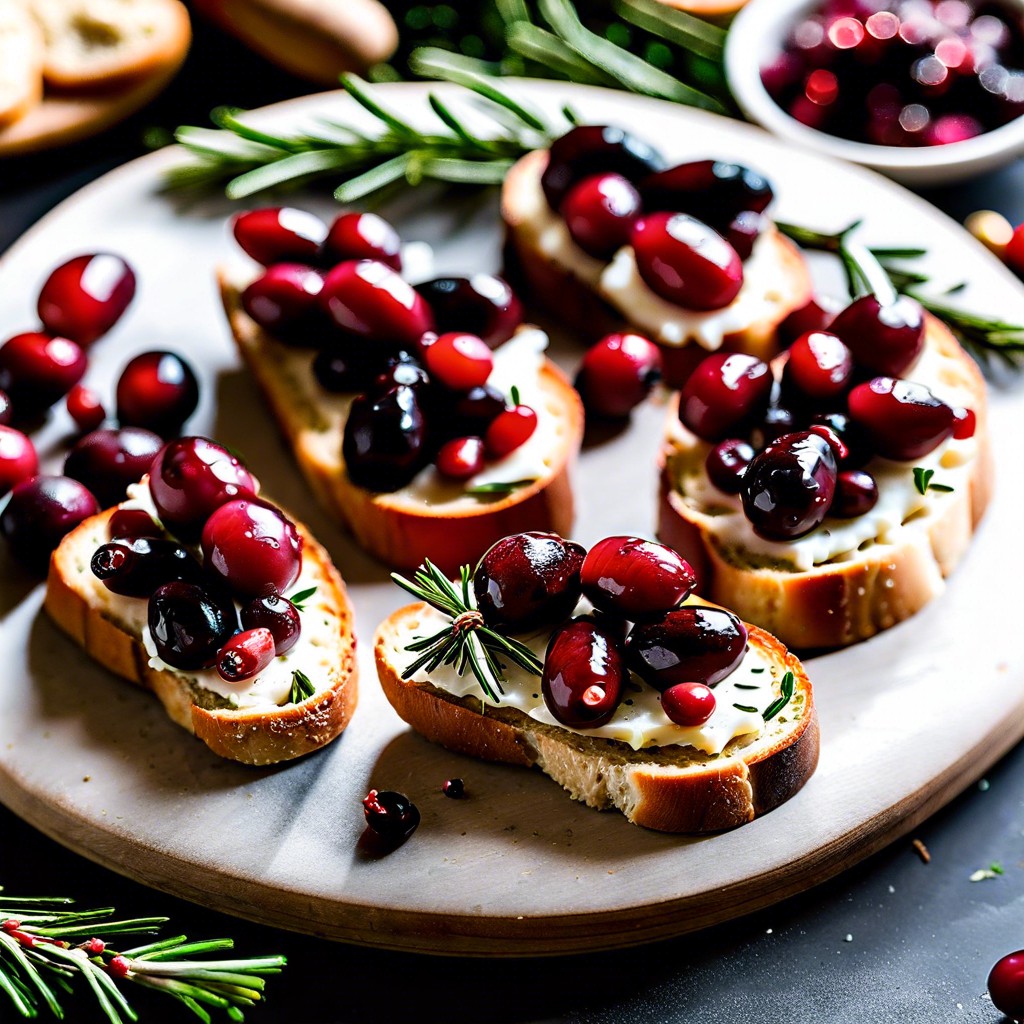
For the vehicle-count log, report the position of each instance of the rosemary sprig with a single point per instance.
(466, 643)
(302, 687)
(498, 487)
(787, 685)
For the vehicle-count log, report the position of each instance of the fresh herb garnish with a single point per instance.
(745, 707)
(747, 686)
(498, 487)
(300, 599)
(923, 481)
(302, 687)
(787, 684)
(514, 393)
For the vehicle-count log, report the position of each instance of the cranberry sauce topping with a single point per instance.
(585, 674)
(818, 369)
(903, 420)
(688, 704)
(190, 622)
(158, 391)
(459, 361)
(461, 458)
(83, 298)
(280, 234)
(726, 392)
(510, 430)
(362, 236)
(39, 512)
(385, 440)
(883, 339)
(726, 464)
(856, 493)
(38, 369)
(136, 567)
(276, 613)
(617, 374)
(18, 459)
(483, 305)
(599, 212)
(245, 655)
(715, 191)
(284, 301)
(107, 461)
(86, 408)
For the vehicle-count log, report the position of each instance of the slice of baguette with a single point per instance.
(21, 63)
(857, 593)
(392, 527)
(669, 788)
(81, 606)
(577, 303)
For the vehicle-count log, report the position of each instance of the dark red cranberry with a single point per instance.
(810, 317)
(483, 305)
(471, 413)
(280, 234)
(858, 448)
(599, 212)
(460, 361)
(903, 420)
(835, 442)
(393, 816)
(726, 392)
(528, 580)
(819, 367)
(385, 440)
(107, 461)
(348, 364)
(284, 301)
(856, 493)
(585, 674)
(713, 190)
(788, 488)
(129, 523)
(617, 374)
(965, 423)
(40, 511)
(688, 645)
(85, 408)
(83, 298)
(688, 704)
(190, 622)
(245, 655)
(1006, 985)
(158, 391)
(6, 409)
(407, 374)
(363, 236)
(39, 369)
(777, 420)
(454, 789)
(18, 459)
(883, 339)
(461, 458)
(686, 262)
(635, 578)
(743, 231)
(193, 476)
(254, 548)
(510, 430)
(276, 613)
(727, 463)
(136, 567)
(368, 299)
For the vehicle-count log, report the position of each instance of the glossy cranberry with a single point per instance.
(461, 458)
(18, 459)
(635, 578)
(688, 645)
(254, 548)
(1006, 985)
(410, 375)
(107, 461)
(727, 463)
(136, 567)
(385, 440)
(245, 655)
(40, 511)
(777, 420)
(459, 361)
(85, 408)
(483, 305)
(686, 262)
(882, 339)
(276, 613)
(788, 488)
(743, 231)
(393, 816)
(38, 369)
(854, 439)
(617, 374)
(819, 367)
(1013, 254)
(528, 580)
(348, 364)
(6, 409)
(835, 442)
(585, 674)
(368, 299)
(471, 413)
(129, 523)
(726, 392)
(363, 236)
(965, 423)
(510, 430)
(812, 316)
(454, 789)
(599, 212)
(192, 477)
(190, 623)
(284, 301)
(856, 493)
(83, 298)
(589, 149)
(158, 391)
(903, 420)
(280, 234)
(688, 704)
(713, 190)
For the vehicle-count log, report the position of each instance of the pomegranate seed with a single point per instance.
(635, 578)
(617, 374)
(1006, 985)
(278, 234)
(363, 236)
(727, 462)
(461, 458)
(18, 459)
(85, 408)
(964, 424)
(459, 361)
(725, 392)
(157, 391)
(688, 704)
(454, 788)
(510, 430)
(393, 816)
(819, 366)
(38, 369)
(246, 655)
(83, 298)
(903, 420)
(856, 493)
(599, 212)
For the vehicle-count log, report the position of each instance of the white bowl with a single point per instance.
(757, 36)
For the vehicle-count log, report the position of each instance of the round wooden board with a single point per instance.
(908, 719)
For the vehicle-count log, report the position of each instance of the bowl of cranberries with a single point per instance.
(925, 91)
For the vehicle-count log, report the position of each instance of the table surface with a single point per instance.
(894, 939)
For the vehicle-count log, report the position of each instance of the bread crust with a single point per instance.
(577, 304)
(251, 737)
(692, 794)
(837, 604)
(391, 530)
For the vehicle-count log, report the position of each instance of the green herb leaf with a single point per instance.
(923, 481)
(786, 686)
(302, 687)
(745, 707)
(300, 599)
(499, 487)
(514, 393)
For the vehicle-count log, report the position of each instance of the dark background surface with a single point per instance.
(894, 939)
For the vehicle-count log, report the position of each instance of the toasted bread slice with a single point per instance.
(110, 629)
(875, 581)
(671, 788)
(21, 62)
(400, 528)
(576, 287)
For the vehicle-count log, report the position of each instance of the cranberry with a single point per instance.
(461, 458)
(856, 493)
(348, 365)
(283, 301)
(83, 298)
(686, 262)
(245, 655)
(727, 391)
(107, 461)
(158, 391)
(1014, 251)
(819, 367)
(276, 613)
(835, 442)
(393, 816)
(1006, 985)
(964, 424)
(85, 408)
(471, 413)
(39, 369)
(193, 476)
(483, 305)
(691, 644)
(788, 488)
(368, 299)
(454, 789)
(688, 704)
(129, 523)
(190, 622)
(727, 463)
(528, 580)
(810, 317)
(18, 459)
(599, 212)
(884, 339)
(585, 674)
(510, 430)
(40, 511)
(853, 437)
(277, 234)
(903, 420)
(743, 231)
(254, 548)
(363, 236)
(777, 420)
(635, 578)
(136, 567)
(714, 190)
(460, 361)
(385, 440)
(617, 374)
(408, 374)
(6, 410)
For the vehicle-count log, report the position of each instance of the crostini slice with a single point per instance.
(21, 62)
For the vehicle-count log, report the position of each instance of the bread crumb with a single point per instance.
(86, 778)
(922, 851)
